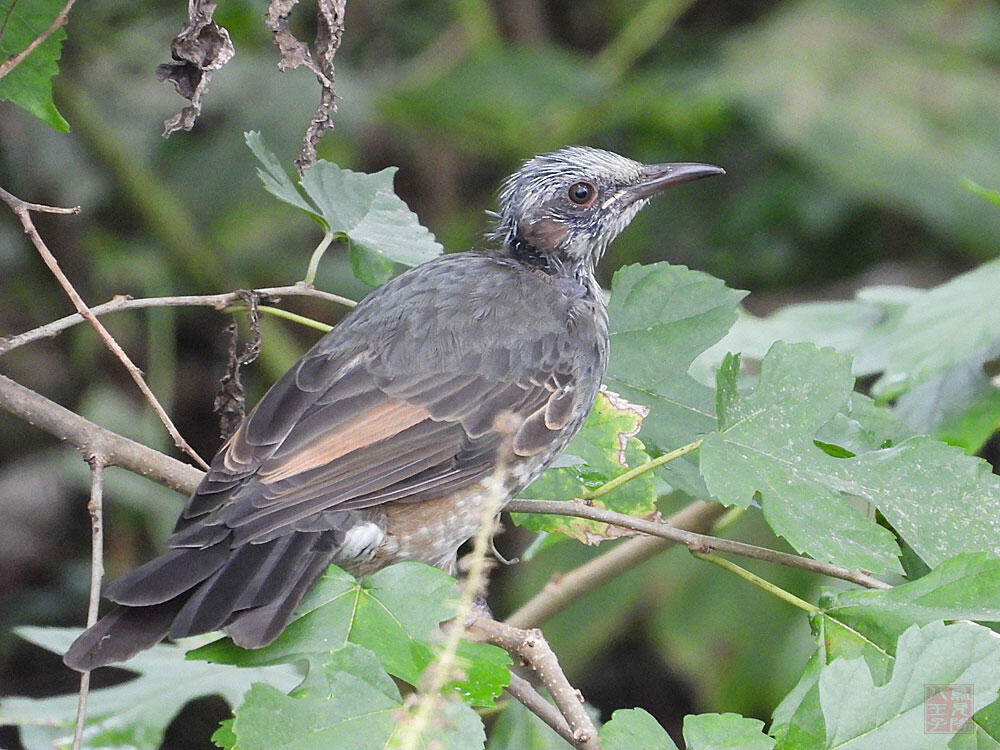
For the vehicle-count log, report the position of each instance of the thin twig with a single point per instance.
(700, 542)
(23, 210)
(530, 698)
(567, 588)
(12, 62)
(534, 652)
(120, 302)
(96, 510)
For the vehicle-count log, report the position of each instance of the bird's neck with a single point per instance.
(554, 263)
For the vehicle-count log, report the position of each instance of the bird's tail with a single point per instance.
(121, 634)
(250, 593)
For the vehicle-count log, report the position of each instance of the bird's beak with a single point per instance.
(658, 177)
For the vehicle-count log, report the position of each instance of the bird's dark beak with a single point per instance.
(658, 177)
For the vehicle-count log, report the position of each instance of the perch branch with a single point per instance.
(23, 210)
(566, 588)
(697, 542)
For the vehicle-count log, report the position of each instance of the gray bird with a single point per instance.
(449, 389)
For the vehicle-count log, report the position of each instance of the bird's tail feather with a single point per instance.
(121, 634)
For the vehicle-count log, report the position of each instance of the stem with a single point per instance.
(756, 580)
(631, 474)
(314, 259)
(277, 312)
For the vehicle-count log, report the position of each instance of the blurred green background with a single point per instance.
(847, 129)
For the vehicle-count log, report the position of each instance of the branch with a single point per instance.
(524, 692)
(566, 588)
(22, 210)
(60, 20)
(92, 439)
(534, 652)
(120, 302)
(695, 542)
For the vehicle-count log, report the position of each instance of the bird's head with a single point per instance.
(566, 207)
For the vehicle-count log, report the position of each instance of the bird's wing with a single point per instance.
(360, 440)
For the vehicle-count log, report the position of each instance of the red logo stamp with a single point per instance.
(948, 708)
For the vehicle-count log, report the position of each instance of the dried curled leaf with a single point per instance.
(202, 47)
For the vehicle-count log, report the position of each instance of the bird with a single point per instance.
(447, 390)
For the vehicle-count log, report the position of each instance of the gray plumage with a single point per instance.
(459, 379)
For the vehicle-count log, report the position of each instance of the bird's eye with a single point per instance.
(582, 193)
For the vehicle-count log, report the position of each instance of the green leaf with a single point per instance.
(632, 728)
(963, 588)
(224, 736)
(608, 447)
(368, 266)
(768, 450)
(351, 702)
(661, 318)
(29, 85)
(948, 325)
(725, 732)
(860, 714)
(394, 612)
(941, 502)
(133, 714)
(363, 208)
(798, 719)
(516, 728)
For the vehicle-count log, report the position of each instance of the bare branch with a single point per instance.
(23, 210)
(534, 652)
(96, 509)
(91, 439)
(696, 542)
(523, 690)
(566, 588)
(201, 48)
(12, 62)
(122, 302)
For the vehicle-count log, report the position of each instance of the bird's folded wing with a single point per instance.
(331, 437)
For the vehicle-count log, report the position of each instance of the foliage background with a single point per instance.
(847, 129)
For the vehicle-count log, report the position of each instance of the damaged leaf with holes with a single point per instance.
(608, 448)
